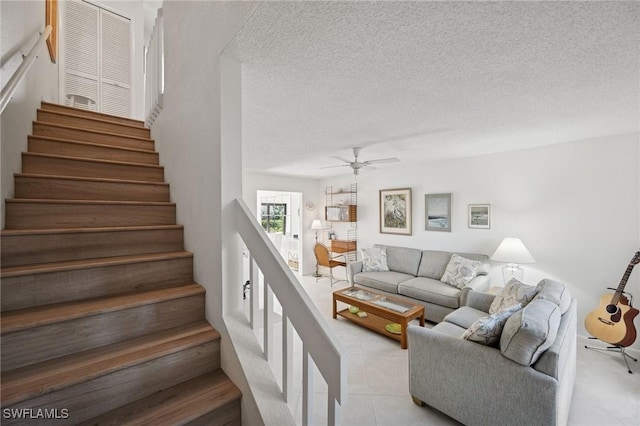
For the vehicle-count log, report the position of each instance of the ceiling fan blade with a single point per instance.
(341, 159)
(383, 160)
(339, 165)
(369, 166)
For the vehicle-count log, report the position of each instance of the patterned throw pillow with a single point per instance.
(487, 330)
(460, 271)
(374, 259)
(513, 292)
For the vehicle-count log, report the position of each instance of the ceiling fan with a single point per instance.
(357, 165)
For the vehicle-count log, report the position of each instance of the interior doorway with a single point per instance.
(280, 214)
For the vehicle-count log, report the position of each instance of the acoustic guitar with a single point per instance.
(612, 320)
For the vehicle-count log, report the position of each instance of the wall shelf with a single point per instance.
(346, 213)
(341, 214)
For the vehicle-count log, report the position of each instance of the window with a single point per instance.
(273, 217)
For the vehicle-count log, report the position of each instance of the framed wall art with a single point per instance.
(437, 212)
(395, 211)
(480, 216)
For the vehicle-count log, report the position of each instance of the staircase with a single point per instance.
(101, 321)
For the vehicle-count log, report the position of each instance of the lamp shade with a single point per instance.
(512, 250)
(316, 224)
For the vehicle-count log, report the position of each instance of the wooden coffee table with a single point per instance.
(381, 310)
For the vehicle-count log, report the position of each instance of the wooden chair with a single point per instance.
(324, 259)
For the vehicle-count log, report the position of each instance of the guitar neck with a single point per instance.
(623, 281)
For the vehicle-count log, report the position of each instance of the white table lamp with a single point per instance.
(316, 225)
(512, 251)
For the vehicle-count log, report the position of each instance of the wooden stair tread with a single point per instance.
(44, 268)
(18, 232)
(176, 405)
(89, 179)
(99, 145)
(82, 129)
(23, 319)
(91, 202)
(37, 379)
(96, 119)
(91, 160)
(106, 117)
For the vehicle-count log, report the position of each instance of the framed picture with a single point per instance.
(395, 211)
(437, 212)
(480, 216)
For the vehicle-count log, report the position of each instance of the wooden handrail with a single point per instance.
(21, 72)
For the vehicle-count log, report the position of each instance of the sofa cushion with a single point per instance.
(386, 281)
(512, 293)
(559, 355)
(374, 259)
(432, 291)
(434, 263)
(555, 292)
(487, 330)
(464, 316)
(460, 271)
(402, 259)
(530, 331)
(449, 329)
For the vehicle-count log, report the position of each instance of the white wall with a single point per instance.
(576, 206)
(311, 192)
(19, 23)
(188, 135)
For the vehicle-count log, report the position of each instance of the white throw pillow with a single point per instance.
(374, 259)
(487, 330)
(460, 271)
(512, 293)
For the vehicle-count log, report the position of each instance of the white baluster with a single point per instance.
(287, 356)
(268, 322)
(307, 387)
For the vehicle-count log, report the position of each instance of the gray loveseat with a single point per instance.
(527, 380)
(415, 275)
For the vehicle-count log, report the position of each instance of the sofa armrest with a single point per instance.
(478, 300)
(354, 268)
(476, 384)
(479, 283)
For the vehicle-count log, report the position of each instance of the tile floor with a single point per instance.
(604, 393)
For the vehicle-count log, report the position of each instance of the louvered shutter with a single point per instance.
(116, 64)
(81, 53)
(98, 59)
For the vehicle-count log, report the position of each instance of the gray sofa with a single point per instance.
(415, 275)
(520, 382)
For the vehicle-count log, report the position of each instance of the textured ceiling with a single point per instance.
(426, 81)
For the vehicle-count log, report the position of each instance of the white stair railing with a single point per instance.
(23, 69)
(154, 71)
(320, 346)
